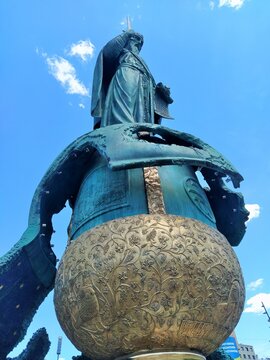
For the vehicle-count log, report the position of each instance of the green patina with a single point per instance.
(125, 97)
(123, 147)
(37, 347)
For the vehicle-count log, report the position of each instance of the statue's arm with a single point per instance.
(113, 49)
(105, 69)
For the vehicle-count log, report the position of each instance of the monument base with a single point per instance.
(164, 355)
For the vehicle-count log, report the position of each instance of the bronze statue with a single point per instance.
(124, 90)
(149, 269)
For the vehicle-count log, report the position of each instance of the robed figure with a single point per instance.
(124, 90)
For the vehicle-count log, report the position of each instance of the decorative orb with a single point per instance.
(149, 283)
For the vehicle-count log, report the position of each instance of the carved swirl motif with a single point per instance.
(148, 282)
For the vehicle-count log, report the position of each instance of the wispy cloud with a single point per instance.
(236, 4)
(40, 52)
(65, 73)
(254, 304)
(255, 284)
(212, 4)
(81, 106)
(127, 21)
(83, 49)
(254, 211)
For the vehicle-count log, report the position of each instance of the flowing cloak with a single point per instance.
(123, 87)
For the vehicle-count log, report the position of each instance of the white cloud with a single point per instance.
(212, 4)
(236, 4)
(84, 49)
(255, 284)
(254, 210)
(65, 73)
(81, 106)
(254, 304)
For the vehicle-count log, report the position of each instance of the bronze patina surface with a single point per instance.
(156, 282)
(155, 278)
(124, 90)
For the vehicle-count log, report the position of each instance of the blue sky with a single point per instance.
(215, 57)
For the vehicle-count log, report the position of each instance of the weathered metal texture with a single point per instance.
(124, 148)
(183, 195)
(148, 282)
(153, 191)
(105, 195)
(21, 293)
(37, 347)
(230, 222)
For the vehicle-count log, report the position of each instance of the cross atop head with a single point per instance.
(128, 23)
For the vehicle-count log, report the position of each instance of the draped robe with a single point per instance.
(123, 87)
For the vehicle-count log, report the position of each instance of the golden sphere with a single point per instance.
(148, 282)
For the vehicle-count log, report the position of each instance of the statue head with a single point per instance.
(135, 42)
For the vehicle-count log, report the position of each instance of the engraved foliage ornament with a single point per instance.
(149, 282)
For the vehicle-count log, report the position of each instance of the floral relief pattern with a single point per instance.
(148, 282)
(153, 191)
